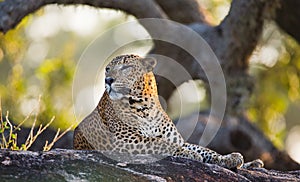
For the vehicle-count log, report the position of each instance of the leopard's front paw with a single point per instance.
(253, 164)
(233, 160)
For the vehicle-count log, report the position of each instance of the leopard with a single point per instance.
(129, 118)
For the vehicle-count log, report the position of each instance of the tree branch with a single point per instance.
(12, 11)
(287, 17)
(233, 42)
(189, 10)
(238, 134)
(240, 31)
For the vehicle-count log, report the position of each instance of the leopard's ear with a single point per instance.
(149, 63)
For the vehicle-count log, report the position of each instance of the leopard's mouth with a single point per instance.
(114, 94)
(108, 88)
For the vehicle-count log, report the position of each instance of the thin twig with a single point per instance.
(10, 129)
(40, 130)
(2, 126)
(10, 141)
(21, 123)
(30, 135)
(48, 147)
(56, 138)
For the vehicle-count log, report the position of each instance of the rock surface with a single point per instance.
(72, 165)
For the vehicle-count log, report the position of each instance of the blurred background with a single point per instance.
(40, 56)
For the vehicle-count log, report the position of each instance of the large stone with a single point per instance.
(73, 165)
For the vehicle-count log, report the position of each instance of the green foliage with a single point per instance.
(276, 90)
(215, 10)
(33, 63)
(22, 80)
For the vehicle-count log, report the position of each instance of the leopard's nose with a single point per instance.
(109, 80)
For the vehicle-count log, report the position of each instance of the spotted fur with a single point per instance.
(130, 119)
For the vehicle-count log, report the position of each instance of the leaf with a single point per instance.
(14, 136)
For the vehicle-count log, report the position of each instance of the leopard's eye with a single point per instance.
(126, 66)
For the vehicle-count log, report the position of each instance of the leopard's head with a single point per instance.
(126, 76)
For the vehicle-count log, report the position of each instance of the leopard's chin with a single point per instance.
(113, 95)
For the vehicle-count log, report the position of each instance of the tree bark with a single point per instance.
(189, 11)
(232, 41)
(287, 17)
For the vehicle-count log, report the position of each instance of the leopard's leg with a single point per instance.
(233, 160)
(253, 164)
(189, 154)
